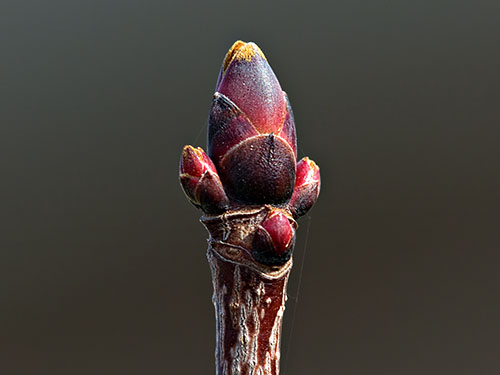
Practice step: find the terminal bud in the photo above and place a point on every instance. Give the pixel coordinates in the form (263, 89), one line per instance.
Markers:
(251, 130)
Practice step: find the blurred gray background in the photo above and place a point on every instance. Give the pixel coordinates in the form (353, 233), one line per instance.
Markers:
(102, 259)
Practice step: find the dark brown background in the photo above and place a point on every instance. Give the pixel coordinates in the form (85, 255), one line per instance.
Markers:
(103, 267)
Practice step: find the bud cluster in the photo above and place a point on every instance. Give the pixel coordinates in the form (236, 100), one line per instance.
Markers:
(252, 154)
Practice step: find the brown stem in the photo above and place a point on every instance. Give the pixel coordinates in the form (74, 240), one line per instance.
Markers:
(249, 297)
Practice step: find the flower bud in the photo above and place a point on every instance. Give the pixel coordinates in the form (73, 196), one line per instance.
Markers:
(200, 181)
(307, 185)
(248, 80)
(251, 130)
(274, 239)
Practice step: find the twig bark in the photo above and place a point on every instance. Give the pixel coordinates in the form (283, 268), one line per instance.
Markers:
(249, 297)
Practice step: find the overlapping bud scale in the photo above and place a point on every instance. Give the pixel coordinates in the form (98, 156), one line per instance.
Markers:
(252, 154)
(251, 132)
(307, 186)
(201, 182)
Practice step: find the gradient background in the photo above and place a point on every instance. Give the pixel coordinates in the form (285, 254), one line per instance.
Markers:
(103, 267)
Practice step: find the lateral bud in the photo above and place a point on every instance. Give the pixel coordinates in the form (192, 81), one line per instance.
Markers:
(307, 186)
(274, 239)
(200, 181)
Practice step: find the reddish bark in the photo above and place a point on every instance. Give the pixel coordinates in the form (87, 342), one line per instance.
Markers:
(249, 297)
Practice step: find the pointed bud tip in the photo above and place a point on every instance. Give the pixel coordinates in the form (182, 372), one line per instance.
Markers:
(242, 51)
(189, 150)
(249, 82)
(195, 162)
(307, 172)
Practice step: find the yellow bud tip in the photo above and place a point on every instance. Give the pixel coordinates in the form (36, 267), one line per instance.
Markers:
(198, 151)
(312, 164)
(242, 51)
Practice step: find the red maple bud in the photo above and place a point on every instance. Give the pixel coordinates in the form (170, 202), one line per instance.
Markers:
(251, 130)
(307, 186)
(274, 239)
(200, 181)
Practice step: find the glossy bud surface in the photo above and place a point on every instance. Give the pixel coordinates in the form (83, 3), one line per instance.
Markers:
(274, 240)
(200, 181)
(251, 134)
(307, 186)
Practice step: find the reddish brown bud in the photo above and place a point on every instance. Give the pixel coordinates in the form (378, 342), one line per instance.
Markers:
(251, 134)
(200, 181)
(248, 80)
(307, 186)
(274, 239)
